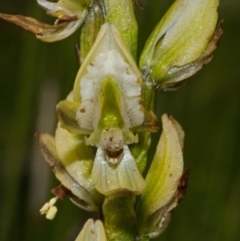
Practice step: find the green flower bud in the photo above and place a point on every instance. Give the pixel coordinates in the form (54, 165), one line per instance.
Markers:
(122, 15)
(178, 45)
(92, 231)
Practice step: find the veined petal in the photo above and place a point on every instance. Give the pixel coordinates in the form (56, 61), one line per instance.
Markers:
(124, 177)
(179, 39)
(92, 231)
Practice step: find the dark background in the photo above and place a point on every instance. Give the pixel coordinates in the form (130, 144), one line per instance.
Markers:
(34, 76)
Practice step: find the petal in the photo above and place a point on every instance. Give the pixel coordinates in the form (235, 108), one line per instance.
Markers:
(124, 177)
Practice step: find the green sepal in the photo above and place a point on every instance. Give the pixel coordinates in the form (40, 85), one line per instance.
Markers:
(66, 111)
(81, 197)
(77, 158)
(163, 180)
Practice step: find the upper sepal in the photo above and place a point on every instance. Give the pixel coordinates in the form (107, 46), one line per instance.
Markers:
(178, 45)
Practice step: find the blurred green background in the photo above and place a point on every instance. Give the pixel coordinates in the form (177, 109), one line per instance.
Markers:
(34, 76)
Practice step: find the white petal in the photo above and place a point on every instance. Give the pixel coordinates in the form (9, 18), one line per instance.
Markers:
(110, 179)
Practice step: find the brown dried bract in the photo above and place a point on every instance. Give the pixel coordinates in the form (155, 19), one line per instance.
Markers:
(182, 186)
(139, 4)
(34, 26)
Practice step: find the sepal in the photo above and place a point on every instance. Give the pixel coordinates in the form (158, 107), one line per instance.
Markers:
(163, 179)
(48, 149)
